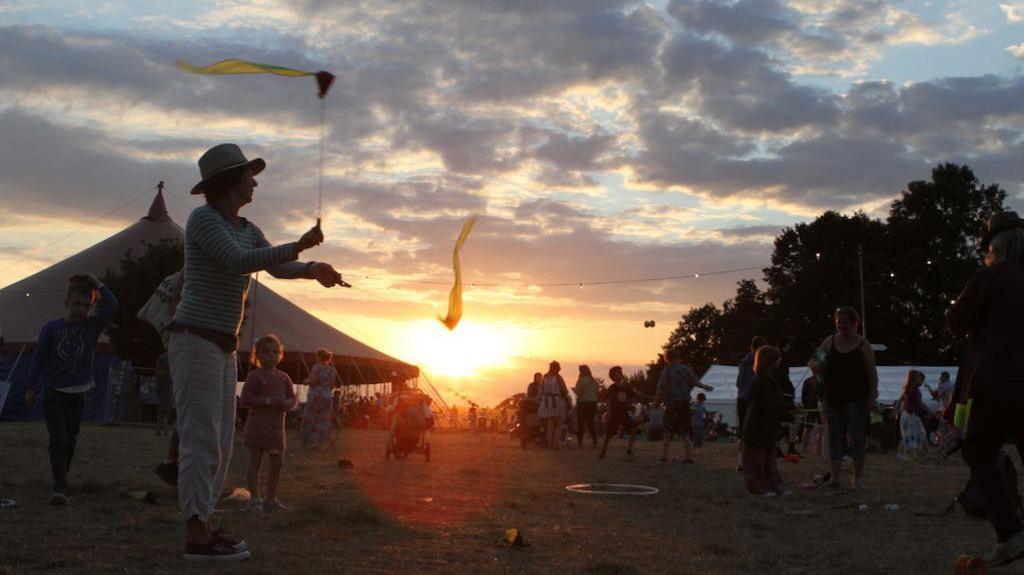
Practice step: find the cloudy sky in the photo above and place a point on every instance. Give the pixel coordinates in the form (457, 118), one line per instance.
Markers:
(593, 139)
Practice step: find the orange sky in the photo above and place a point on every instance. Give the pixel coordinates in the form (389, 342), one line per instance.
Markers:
(593, 141)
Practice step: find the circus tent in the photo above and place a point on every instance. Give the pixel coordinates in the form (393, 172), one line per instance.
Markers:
(29, 303)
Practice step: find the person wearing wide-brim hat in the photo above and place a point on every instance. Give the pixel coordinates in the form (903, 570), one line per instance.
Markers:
(990, 312)
(222, 249)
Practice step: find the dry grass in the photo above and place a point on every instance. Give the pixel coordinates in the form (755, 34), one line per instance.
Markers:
(447, 516)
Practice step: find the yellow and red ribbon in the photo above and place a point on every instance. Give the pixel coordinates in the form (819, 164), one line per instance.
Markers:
(233, 66)
(455, 297)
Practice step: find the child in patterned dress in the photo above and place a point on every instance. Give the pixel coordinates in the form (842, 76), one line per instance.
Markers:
(913, 413)
(268, 393)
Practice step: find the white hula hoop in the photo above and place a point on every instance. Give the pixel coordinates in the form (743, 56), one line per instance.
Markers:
(612, 489)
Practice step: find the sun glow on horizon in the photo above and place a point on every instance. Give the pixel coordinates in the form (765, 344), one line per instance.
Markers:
(463, 352)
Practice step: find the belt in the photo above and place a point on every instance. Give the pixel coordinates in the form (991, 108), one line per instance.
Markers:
(226, 342)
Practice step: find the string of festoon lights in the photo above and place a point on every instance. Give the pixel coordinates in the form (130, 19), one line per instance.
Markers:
(577, 284)
(584, 283)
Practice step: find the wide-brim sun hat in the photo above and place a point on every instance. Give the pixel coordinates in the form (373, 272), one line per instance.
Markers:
(999, 223)
(221, 158)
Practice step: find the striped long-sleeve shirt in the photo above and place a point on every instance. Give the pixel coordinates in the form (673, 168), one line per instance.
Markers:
(219, 257)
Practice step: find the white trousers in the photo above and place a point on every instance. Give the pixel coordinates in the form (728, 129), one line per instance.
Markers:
(204, 395)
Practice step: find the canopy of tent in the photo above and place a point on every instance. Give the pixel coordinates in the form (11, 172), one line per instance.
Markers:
(29, 303)
(891, 379)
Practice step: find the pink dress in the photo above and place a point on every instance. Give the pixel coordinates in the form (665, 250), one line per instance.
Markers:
(264, 427)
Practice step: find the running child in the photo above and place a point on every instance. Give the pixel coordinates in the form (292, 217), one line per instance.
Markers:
(619, 397)
(674, 386)
(268, 393)
(62, 370)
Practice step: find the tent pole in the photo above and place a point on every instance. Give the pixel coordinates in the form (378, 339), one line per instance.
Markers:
(437, 395)
(380, 377)
(362, 380)
(252, 324)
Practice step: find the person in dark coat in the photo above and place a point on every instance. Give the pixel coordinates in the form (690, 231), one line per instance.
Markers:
(765, 413)
(990, 313)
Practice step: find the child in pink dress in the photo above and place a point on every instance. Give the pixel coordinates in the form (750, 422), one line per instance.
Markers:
(268, 393)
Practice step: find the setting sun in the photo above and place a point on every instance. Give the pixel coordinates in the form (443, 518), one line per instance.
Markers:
(470, 347)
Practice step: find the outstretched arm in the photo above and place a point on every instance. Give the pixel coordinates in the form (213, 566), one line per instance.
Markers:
(322, 272)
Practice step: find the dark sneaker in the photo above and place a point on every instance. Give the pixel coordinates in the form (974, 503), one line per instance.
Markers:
(274, 505)
(59, 499)
(168, 472)
(213, 551)
(231, 542)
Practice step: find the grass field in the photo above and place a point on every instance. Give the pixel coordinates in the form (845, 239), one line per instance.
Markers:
(447, 516)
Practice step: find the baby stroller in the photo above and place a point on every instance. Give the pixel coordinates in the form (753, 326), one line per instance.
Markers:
(410, 420)
(528, 429)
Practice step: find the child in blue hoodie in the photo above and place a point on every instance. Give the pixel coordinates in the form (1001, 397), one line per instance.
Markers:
(62, 371)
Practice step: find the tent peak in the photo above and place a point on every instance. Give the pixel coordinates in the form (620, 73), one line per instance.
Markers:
(158, 209)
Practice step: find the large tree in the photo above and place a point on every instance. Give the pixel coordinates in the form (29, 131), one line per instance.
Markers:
(815, 270)
(707, 335)
(933, 229)
(133, 284)
(697, 337)
(914, 263)
(743, 317)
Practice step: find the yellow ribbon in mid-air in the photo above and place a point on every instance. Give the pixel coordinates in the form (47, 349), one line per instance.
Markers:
(233, 66)
(455, 297)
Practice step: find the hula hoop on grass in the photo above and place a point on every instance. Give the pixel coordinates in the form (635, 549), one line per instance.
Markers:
(612, 489)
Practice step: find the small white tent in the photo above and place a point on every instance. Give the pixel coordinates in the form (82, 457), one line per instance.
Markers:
(890, 385)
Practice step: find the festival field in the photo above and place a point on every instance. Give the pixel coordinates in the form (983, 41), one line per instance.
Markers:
(447, 516)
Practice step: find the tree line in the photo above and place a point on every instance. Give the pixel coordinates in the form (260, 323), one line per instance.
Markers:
(915, 263)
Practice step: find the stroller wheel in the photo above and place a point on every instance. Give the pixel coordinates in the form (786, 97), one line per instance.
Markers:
(426, 451)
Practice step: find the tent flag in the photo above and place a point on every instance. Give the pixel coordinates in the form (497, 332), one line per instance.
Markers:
(455, 297)
(234, 66)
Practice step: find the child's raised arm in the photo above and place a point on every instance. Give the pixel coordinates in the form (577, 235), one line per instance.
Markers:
(108, 303)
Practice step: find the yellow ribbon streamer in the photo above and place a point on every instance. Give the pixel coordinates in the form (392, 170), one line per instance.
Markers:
(234, 66)
(455, 297)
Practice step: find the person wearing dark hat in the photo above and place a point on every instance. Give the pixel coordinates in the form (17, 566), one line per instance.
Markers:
(222, 249)
(990, 313)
